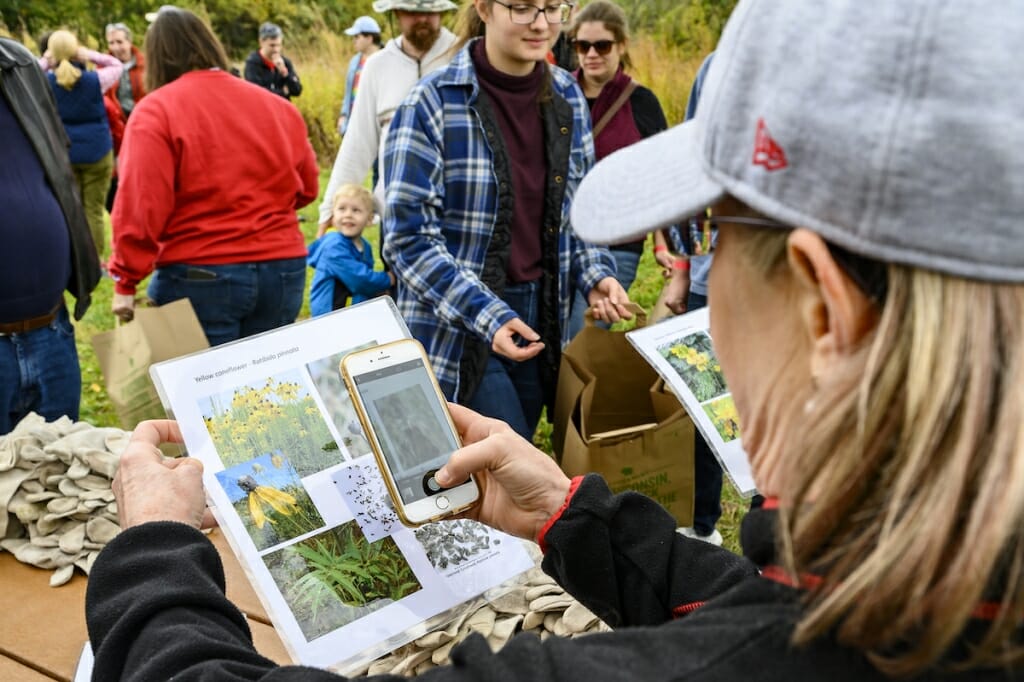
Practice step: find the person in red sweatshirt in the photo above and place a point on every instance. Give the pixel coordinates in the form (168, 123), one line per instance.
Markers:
(212, 170)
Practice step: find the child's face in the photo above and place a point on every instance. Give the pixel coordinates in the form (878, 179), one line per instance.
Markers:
(351, 216)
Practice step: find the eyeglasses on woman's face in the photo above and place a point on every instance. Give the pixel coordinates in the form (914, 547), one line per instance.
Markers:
(521, 13)
(869, 275)
(702, 232)
(602, 47)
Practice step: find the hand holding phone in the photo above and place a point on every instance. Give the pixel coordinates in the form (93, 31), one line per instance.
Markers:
(405, 417)
(522, 487)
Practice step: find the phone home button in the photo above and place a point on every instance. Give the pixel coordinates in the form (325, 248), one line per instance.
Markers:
(442, 502)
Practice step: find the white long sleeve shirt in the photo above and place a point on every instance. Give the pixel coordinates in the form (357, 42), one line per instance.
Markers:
(387, 78)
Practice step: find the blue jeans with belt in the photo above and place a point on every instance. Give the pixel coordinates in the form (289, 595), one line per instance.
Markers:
(39, 373)
(512, 391)
(238, 300)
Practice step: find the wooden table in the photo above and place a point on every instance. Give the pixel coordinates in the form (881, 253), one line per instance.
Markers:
(43, 627)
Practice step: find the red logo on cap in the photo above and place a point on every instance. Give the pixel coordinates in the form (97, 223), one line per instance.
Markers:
(767, 151)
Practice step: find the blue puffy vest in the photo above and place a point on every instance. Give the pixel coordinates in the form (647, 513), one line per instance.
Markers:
(84, 117)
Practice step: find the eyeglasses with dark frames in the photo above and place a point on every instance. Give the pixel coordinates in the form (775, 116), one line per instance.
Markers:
(524, 14)
(603, 47)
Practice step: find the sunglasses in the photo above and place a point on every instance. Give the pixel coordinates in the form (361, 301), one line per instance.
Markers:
(603, 47)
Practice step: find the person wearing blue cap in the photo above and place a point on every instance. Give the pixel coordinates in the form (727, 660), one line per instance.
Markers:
(365, 34)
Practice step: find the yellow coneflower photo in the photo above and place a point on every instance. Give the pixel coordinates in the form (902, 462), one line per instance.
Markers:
(270, 499)
(274, 414)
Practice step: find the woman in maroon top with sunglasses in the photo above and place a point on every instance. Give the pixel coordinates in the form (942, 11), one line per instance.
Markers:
(621, 110)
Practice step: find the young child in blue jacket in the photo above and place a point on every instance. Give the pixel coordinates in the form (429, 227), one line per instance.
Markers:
(342, 258)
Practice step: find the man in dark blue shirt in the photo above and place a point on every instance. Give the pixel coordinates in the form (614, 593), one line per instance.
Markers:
(46, 245)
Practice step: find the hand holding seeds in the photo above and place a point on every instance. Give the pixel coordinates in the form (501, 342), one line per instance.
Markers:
(521, 487)
(150, 487)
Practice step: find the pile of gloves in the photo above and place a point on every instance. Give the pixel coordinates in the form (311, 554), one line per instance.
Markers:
(536, 605)
(55, 486)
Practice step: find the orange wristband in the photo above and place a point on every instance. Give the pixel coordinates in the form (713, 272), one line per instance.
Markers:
(681, 264)
(658, 248)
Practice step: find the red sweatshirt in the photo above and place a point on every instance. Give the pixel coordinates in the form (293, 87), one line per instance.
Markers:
(212, 170)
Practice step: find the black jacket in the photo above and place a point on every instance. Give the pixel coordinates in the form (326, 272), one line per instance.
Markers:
(28, 94)
(257, 71)
(682, 609)
(558, 121)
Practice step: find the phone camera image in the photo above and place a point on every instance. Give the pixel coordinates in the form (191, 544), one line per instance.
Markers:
(410, 431)
(410, 424)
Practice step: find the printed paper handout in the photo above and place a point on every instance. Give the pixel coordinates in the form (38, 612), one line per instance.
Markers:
(680, 349)
(292, 481)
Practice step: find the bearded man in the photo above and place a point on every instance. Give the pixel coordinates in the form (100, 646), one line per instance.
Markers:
(423, 46)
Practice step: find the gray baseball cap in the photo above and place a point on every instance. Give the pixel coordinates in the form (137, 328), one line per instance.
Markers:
(893, 129)
(425, 6)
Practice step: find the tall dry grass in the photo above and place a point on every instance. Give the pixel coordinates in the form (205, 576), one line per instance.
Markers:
(667, 70)
(322, 63)
(322, 66)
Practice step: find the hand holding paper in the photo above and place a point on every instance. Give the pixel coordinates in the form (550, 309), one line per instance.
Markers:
(150, 487)
(521, 486)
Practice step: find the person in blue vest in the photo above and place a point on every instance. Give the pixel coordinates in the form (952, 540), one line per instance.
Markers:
(79, 95)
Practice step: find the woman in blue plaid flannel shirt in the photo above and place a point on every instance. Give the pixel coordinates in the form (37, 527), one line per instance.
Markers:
(481, 164)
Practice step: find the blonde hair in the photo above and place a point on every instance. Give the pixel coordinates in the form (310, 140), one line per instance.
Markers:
(468, 25)
(353, 191)
(904, 483)
(63, 47)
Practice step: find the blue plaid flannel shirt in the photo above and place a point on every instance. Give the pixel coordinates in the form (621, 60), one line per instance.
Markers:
(441, 195)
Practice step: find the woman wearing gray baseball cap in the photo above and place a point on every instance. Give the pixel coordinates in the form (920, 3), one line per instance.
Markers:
(862, 162)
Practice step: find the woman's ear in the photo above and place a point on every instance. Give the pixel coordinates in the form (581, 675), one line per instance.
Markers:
(835, 313)
(483, 9)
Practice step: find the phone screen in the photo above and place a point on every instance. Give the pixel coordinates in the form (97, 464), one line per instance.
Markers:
(410, 423)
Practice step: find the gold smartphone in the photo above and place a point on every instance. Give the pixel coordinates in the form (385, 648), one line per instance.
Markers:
(411, 433)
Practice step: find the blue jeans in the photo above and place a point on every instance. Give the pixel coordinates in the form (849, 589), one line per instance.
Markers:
(237, 300)
(626, 263)
(707, 472)
(511, 391)
(39, 372)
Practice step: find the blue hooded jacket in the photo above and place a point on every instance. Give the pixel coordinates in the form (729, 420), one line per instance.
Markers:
(337, 261)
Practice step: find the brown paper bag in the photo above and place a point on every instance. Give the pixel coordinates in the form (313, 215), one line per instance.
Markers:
(126, 352)
(614, 416)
